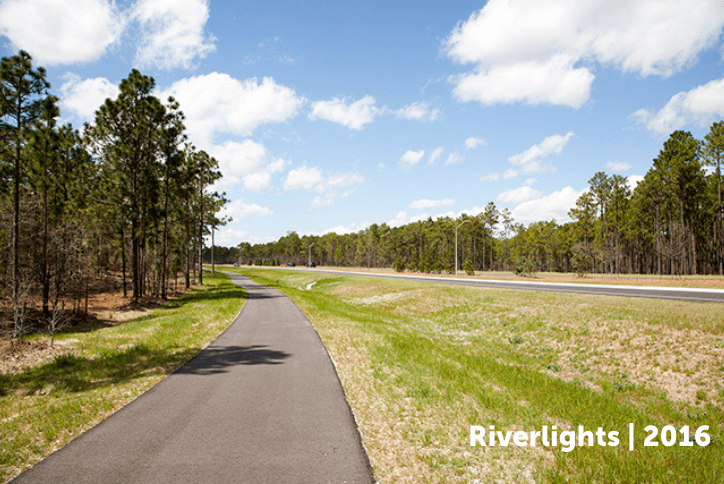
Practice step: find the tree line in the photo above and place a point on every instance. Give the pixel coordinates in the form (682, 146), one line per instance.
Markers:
(670, 223)
(128, 195)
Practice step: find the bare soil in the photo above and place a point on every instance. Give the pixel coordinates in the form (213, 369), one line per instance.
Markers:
(106, 307)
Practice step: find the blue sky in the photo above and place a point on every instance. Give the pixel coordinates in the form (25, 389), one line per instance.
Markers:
(336, 115)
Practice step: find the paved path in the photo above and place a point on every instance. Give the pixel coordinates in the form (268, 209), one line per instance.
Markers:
(261, 404)
(655, 292)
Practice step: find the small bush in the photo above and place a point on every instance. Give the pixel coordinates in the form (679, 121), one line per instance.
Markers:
(468, 267)
(526, 266)
(516, 339)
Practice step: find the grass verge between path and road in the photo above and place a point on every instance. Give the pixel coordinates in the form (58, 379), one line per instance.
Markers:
(421, 363)
(45, 406)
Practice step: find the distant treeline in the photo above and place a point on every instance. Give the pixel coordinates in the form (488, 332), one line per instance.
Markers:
(128, 194)
(671, 223)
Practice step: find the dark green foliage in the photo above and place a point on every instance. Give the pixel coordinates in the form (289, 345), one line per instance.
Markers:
(75, 207)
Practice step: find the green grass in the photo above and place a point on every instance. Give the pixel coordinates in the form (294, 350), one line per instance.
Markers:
(421, 363)
(44, 407)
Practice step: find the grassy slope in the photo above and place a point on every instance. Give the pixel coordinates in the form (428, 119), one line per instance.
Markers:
(44, 407)
(422, 363)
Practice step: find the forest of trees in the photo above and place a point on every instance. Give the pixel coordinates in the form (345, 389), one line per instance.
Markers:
(127, 198)
(671, 223)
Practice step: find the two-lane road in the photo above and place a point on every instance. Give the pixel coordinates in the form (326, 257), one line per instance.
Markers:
(672, 293)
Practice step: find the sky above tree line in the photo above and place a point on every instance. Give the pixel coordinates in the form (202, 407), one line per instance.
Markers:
(331, 116)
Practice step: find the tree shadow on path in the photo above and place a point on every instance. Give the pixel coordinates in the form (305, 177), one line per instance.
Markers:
(214, 360)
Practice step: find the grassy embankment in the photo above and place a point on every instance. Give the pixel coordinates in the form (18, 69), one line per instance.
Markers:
(44, 407)
(421, 363)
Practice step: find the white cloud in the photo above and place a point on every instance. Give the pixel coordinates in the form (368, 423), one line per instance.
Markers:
(518, 195)
(227, 237)
(61, 31)
(261, 181)
(217, 103)
(327, 188)
(238, 210)
(509, 174)
(530, 181)
(245, 163)
(454, 157)
(305, 179)
(553, 206)
(172, 33)
(411, 158)
(353, 116)
(472, 142)
(230, 237)
(435, 155)
(490, 177)
(698, 107)
(554, 82)
(633, 181)
(541, 51)
(424, 203)
(399, 220)
(618, 166)
(346, 229)
(418, 111)
(531, 159)
(83, 98)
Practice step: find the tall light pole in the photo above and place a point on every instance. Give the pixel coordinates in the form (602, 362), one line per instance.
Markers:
(310, 253)
(456, 241)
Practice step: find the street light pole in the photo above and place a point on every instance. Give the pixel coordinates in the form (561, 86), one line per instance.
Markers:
(310, 253)
(456, 241)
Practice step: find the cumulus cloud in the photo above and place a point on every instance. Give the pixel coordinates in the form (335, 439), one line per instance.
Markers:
(490, 177)
(454, 157)
(698, 107)
(509, 174)
(172, 33)
(411, 158)
(238, 210)
(218, 103)
(230, 237)
(424, 203)
(472, 142)
(531, 160)
(353, 116)
(328, 188)
(418, 111)
(346, 229)
(633, 181)
(540, 51)
(81, 98)
(435, 155)
(518, 195)
(618, 166)
(399, 220)
(61, 31)
(550, 207)
(245, 163)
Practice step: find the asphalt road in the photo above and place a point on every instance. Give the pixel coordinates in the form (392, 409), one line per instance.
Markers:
(261, 404)
(673, 293)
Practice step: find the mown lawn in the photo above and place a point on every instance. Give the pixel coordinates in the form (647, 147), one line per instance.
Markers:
(421, 363)
(44, 407)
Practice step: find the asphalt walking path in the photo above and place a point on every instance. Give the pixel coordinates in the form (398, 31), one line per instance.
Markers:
(261, 404)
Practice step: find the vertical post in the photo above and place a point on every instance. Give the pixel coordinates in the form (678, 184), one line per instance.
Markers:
(310, 254)
(213, 267)
(456, 242)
